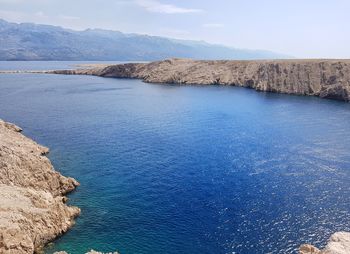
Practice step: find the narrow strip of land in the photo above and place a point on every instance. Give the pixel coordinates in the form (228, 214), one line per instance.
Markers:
(323, 78)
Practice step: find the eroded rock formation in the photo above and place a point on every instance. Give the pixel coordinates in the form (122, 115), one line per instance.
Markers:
(32, 206)
(323, 78)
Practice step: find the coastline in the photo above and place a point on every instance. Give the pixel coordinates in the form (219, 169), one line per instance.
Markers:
(322, 78)
(44, 151)
(33, 208)
(32, 202)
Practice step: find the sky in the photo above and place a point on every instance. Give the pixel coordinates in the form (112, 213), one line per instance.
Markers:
(300, 28)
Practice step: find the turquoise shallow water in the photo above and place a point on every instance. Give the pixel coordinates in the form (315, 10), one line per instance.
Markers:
(170, 169)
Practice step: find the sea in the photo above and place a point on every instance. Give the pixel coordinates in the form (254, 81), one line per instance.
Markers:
(186, 169)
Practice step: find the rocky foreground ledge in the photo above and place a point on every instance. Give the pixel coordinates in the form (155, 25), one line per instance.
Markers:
(323, 78)
(32, 202)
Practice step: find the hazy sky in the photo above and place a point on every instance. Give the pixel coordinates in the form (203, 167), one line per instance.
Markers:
(302, 28)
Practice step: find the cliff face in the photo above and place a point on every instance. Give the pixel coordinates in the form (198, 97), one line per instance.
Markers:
(32, 206)
(323, 78)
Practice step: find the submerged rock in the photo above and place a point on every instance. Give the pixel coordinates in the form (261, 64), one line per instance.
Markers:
(338, 243)
(32, 206)
(96, 252)
(323, 78)
(90, 252)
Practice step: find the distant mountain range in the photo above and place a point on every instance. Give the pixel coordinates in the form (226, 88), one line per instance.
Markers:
(28, 41)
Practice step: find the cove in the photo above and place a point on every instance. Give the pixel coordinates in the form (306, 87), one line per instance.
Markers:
(183, 169)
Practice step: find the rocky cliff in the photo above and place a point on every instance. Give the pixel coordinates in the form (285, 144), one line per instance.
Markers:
(323, 78)
(32, 206)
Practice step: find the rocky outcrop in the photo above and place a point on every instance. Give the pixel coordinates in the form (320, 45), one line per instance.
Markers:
(339, 243)
(32, 206)
(323, 78)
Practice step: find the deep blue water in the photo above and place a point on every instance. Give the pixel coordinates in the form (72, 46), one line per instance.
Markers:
(171, 169)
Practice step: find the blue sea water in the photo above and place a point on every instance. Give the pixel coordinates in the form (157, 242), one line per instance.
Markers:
(187, 169)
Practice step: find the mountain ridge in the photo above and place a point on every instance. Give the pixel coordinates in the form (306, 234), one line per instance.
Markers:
(29, 41)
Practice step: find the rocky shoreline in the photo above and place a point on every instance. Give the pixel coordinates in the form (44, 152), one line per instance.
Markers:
(323, 78)
(32, 202)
